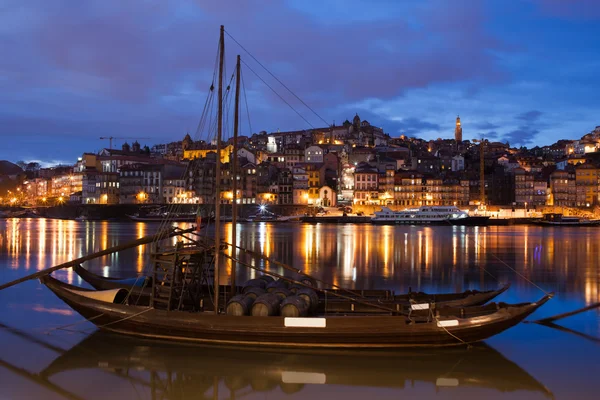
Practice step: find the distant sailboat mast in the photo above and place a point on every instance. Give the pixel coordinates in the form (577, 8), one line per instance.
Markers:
(218, 173)
(235, 175)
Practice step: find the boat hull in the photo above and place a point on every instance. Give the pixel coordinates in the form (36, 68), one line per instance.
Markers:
(577, 223)
(468, 221)
(172, 218)
(377, 331)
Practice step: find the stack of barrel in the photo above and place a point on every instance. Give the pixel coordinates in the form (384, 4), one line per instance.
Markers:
(265, 296)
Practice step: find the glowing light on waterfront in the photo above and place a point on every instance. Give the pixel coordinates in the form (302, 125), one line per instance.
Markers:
(348, 245)
(27, 245)
(387, 240)
(454, 248)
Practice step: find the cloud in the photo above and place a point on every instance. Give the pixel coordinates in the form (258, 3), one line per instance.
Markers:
(485, 125)
(129, 52)
(524, 135)
(490, 135)
(412, 126)
(530, 116)
(81, 70)
(571, 9)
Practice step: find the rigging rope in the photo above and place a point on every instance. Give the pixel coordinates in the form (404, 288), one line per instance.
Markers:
(277, 79)
(278, 95)
(506, 265)
(246, 101)
(509, 267)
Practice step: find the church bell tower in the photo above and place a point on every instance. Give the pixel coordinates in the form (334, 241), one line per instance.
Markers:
(458, 130)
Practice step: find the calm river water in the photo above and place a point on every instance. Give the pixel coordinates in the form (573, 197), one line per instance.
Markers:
(38, 360)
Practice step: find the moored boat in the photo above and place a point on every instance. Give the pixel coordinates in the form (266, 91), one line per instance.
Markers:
(163, 217)
(414, 327)
(428, 215)
(557, 219)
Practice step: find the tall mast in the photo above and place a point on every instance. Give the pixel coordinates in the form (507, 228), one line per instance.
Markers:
(235, 172)
(218, 171)
(481, 169)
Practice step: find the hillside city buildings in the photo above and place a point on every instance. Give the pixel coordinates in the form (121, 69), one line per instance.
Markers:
(354, 163)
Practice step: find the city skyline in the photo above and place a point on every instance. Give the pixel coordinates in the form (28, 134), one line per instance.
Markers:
(522, 72)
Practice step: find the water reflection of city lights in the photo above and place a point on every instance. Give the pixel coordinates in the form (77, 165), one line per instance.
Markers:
(349, 254)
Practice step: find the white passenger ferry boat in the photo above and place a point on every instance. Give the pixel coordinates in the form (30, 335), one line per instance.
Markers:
(421, 215)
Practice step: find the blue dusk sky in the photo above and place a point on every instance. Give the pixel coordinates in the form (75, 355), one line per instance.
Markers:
(523, 71)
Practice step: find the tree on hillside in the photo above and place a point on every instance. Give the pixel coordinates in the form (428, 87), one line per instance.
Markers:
(33, 167)
(21, 164)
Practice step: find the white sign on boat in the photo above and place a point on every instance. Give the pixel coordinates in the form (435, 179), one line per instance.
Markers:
(303, 377)
(450, 322)
(291, 322)
(446, 382)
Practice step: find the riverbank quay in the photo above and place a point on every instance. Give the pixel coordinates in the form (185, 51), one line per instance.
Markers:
(296, 213)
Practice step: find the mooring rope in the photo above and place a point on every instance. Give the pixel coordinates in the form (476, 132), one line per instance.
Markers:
(505, 264)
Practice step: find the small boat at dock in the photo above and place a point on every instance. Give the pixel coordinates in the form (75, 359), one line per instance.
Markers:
(557, 219)
(163, 217)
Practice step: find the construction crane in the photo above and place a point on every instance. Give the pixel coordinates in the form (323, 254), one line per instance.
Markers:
(110, 138)
(482, 143)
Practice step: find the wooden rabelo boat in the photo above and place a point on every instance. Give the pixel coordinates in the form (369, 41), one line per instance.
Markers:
(187, 301)
(405, 327)
(193, 369)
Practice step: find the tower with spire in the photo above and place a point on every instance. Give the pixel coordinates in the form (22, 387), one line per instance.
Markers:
(458, 130)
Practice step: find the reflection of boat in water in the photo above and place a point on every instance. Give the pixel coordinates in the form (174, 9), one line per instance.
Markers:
(194, 369)
(557, 219)
(428, 215)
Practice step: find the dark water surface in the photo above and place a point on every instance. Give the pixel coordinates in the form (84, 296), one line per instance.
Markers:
(37, 360)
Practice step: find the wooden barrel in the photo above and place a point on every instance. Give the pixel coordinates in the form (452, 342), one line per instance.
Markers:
(294, 306)
(294, 288)
(253, 291)
(307, 280)
(282, 292)
(266, 305)
(261, 283)
(310, 296)
(239, 305)
(267, 278)
(276, 284)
